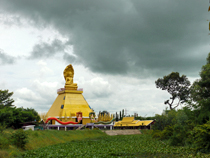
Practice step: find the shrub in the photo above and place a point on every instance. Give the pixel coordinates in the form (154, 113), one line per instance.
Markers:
(19, 138)
(167, 118)
(201, 137)
(156, 133)
(4, 143)
(3, 154)
(2, 128)
(179, 135)
(167, 132)
(95, 128)
(181, 117)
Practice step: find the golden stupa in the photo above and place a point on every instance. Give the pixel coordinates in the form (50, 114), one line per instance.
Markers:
(69, 101)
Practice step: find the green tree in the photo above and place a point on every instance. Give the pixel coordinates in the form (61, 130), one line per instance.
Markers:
(123, 113)
(5, 100)
(11, 116)
(177, 86)
(200, 94)
(6, 116)
(117, 119)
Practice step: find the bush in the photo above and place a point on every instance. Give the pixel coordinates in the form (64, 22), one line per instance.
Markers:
(181, 117)
(180, 129)
(4, 143)
(167, 132)
(156, 134)
(19, 138)
(2, 128)
(95, 128)
(201, 137)
(168, 118)
(179, 135)
(3, 154)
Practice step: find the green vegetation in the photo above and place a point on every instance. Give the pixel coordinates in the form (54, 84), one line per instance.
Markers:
(11, 116)
(179, 129)
(5, 100)
(189, 126)
(19, 138)
(30, 140)
(114, 146)
(177, 86)
(91, 143)
(145, 118)
(201, 137)
(200, 92)
(176, 133)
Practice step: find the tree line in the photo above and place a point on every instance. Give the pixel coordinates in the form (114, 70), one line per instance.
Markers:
(190, 125)
(10, 115)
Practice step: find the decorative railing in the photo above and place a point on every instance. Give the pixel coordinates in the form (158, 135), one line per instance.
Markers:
(63, 89)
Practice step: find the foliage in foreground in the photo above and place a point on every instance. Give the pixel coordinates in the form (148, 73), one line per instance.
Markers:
(17, 138)
(112, 146)
(201, 135)
(12, 142)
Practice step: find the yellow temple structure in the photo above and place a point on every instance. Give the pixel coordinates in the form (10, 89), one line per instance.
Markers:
(70, 107)
(131, 122)
(70, 101)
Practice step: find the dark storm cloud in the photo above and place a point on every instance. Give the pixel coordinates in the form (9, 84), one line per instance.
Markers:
(69, 58)
(119, 36)
(48, 50)
(6, 59)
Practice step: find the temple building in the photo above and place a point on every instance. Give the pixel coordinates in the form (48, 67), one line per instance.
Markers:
(70, 105)
(131, 122)
(71, 110)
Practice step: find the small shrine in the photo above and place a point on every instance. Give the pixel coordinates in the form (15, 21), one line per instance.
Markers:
(70, 104)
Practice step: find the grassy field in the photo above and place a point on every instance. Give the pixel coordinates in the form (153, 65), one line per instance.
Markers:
(95, 143)
(114, 146)
(40, 139)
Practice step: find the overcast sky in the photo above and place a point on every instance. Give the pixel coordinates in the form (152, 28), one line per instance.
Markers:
(117, 48)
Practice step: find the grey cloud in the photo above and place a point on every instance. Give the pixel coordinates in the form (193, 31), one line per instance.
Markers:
(48, 50)
(6, 59)
(69, 58)
(121, 37)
